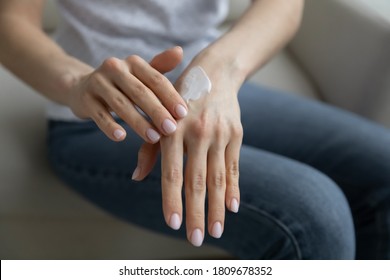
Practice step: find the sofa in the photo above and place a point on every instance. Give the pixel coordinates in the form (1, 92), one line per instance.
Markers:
(340, 56)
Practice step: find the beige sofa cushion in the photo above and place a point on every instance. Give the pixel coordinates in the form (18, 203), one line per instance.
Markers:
(345, 46)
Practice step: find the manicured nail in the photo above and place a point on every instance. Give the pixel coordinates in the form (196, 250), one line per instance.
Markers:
(197, 238)
(118, 134)
(168, 126)
(216, 231)
(136, 173)
(174, 221)
(153, 135)
(176, 47)
(234, 205)
(181, 111)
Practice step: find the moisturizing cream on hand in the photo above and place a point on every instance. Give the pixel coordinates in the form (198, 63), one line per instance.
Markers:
(195, 84)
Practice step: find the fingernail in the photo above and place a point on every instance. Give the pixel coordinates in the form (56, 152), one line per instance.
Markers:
(197, 238)
(234, 205)
(176, 47)
(136, 173)
(118, 134)
(168, 126)
(216, 231)
(181, 111)
(153, 135)
(174, 221)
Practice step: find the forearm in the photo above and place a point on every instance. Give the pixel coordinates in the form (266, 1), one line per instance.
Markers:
(262, 31)
(37, 60)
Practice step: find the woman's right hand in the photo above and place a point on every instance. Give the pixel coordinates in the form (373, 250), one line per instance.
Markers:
(120, 85)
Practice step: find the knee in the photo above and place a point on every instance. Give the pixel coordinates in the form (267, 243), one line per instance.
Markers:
(325, 227)
(297, 212)
(314, 214)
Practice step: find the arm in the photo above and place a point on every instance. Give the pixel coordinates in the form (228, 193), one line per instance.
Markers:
(211, 135)
(31, 55)
(263, 29)
(116, 85)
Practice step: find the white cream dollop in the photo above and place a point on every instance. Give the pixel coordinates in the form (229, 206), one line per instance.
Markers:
(195, 84)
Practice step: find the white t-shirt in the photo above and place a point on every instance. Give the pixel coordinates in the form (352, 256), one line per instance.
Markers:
(93, 30)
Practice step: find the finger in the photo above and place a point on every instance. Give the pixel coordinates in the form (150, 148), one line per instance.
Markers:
(195, 193)
(216, 188)
(232, 155)
(147, 157)
(136, 92)
(159, 85)
(167, 60)
(145, 99)
(106, 123)
(172, 179)
(125, 109)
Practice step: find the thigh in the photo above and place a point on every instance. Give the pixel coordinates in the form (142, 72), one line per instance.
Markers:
(288, 209)
(353, 151)
(100, 170)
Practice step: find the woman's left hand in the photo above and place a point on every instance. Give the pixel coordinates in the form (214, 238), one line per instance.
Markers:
(211, 136)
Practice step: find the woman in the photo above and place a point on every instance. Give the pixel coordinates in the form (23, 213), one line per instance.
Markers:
(314, 181)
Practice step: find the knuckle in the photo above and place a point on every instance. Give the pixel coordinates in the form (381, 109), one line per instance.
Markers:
(139, 91)
(237, 130)
(101, 116)
(118, 103)
(134, 60)
(94, 77)
(97, 82)
(173, 176)
(201, 129)
(197, 183)
(111, 64)
(158, 79)
(218, 180)
(102, 119)
(233, 170)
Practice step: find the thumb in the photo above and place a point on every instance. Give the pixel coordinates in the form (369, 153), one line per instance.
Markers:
(167, 60)
(147, 157)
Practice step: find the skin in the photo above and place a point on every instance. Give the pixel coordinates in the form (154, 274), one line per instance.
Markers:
(210, 134)
(91, 93)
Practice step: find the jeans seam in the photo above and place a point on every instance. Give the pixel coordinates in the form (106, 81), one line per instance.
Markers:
(280, 224)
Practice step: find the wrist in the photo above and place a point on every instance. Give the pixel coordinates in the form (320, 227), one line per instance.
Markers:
(242, 55)
(69, 80)
(220, 64)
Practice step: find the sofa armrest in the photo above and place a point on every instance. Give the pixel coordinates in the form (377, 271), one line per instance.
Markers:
(345, 46)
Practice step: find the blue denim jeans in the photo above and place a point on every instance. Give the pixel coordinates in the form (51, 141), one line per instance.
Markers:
(314, 180)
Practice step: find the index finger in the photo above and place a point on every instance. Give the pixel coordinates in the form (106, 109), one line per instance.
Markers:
(160, 86)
